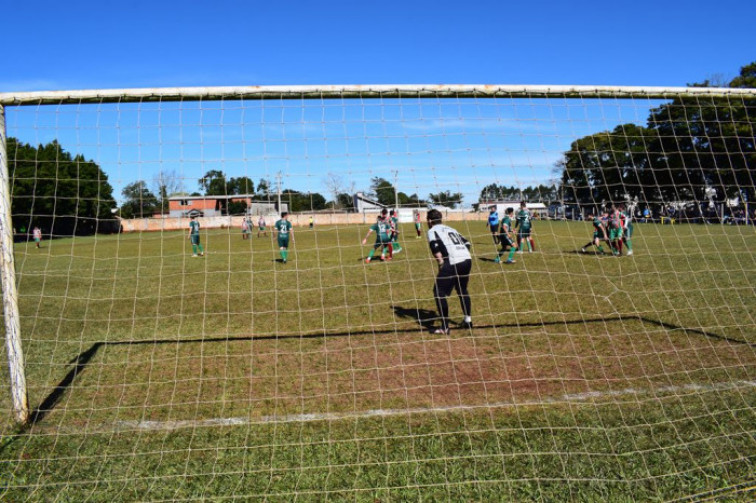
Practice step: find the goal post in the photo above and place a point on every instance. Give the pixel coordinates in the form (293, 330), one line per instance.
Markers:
(196, 305)
(13, 346)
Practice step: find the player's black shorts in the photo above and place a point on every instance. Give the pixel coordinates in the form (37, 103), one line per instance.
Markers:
(505, 240)
(453, 277)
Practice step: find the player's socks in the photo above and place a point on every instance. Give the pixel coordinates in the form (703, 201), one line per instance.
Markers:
(194, 249)
(391, 251)
(371, 253)
(511, 254)
(532, 243)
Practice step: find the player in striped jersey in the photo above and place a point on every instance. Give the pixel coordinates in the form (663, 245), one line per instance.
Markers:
(452, 252)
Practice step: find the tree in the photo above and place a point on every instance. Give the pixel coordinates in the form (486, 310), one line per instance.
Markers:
(139, 202)
(240, 185)
(263, 187)
(446, 198)
(691, 147)
(166, 184)
(300, 201)
(214, 183)
(58, 192)
(384, 191)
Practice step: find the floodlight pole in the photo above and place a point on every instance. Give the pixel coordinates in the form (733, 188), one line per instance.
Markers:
(10, 292)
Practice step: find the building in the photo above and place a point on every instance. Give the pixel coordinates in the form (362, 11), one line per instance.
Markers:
(214, 206)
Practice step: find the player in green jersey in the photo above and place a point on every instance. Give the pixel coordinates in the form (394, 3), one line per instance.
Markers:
(194, 237)
(599, 233)
(505, 238)
(382, 229)
(523, 225)
(284, 230)
(394, 221)
(614, 226)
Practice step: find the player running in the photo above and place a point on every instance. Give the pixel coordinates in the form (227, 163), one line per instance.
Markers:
(452, 252)
(382, 229)
(505, 238)
(523, 226)
(284, 229)
(194, 237)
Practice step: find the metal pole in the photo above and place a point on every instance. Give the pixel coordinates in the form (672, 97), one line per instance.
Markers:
(10, 292)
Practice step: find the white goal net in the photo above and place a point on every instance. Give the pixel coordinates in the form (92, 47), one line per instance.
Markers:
(203, 299)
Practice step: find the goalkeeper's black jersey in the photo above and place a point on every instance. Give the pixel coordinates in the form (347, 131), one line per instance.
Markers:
(452, 246)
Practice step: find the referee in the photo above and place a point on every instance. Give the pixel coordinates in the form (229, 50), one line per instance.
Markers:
(452, 251)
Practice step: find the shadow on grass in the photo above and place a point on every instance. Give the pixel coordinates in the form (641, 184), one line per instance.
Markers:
(423, 317)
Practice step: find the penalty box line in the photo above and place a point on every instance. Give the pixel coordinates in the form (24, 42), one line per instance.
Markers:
(337, 416)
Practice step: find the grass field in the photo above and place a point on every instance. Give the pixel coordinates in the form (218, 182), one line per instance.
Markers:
(157, 376)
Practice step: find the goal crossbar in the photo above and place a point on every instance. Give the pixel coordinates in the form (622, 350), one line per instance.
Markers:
(360, 91)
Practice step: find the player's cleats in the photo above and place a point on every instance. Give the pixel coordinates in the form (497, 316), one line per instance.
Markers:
(194, 255)
(367, 260)
(509, 262)
(441, 331)
(467, 325)
(630, 252)
(582, 250)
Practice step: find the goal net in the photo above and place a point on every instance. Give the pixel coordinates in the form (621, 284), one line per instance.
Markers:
(170, 335)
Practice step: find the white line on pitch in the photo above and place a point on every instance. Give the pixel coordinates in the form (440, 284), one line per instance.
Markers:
(331, 416)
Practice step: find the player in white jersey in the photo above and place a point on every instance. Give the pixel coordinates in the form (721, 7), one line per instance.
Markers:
(452, 251)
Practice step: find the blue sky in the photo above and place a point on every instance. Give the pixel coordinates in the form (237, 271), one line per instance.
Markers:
(85, 45)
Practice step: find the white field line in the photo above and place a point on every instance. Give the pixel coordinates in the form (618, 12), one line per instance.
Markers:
(334, 416)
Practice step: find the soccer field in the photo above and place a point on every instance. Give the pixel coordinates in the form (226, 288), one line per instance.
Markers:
(157, 376)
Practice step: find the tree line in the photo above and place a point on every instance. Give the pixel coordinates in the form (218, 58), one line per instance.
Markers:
(694, 148)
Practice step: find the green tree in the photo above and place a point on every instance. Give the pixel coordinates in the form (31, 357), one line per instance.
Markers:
(301, 201)
(689, 146)
(58, 192)
(139, 202)
(214, 183)
(384, 191)
(446, 198)
(241, 185)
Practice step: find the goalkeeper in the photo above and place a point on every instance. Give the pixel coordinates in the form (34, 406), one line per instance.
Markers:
(452, 252)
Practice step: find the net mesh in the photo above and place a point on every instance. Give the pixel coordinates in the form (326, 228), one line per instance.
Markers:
(614, 356)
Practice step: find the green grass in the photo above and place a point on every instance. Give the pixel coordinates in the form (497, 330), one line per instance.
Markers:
(586, 377)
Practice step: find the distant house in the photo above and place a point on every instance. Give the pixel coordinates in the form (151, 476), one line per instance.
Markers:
(363, 204)
(214, 206)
